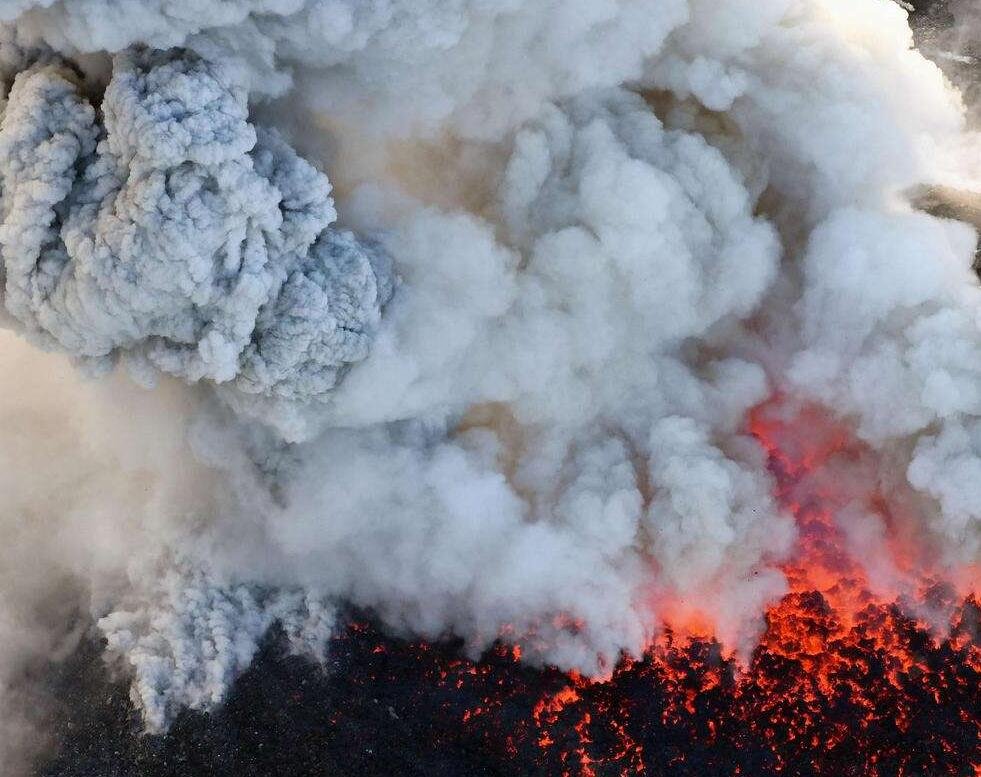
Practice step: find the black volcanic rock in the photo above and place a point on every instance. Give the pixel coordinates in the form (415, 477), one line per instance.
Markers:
(384, 707)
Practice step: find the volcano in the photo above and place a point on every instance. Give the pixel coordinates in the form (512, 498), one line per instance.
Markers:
(575, 388)
(848, 678)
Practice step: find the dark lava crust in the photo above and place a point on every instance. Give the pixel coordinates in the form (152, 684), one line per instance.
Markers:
(388, 707)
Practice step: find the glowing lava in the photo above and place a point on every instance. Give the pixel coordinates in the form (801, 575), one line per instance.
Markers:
(870, 666)
(870, 652)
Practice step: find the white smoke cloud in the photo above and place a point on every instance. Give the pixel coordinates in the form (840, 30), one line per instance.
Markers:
(673, 209)
(199, 634)
(96, 477)
(481, 66)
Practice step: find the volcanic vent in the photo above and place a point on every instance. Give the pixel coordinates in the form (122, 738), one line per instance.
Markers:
(536, 387)
(850, 677)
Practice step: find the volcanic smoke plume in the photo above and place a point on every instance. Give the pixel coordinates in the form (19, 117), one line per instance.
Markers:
(633, 345)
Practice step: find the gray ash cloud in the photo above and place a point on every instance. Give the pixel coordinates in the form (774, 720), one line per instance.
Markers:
(159, 226)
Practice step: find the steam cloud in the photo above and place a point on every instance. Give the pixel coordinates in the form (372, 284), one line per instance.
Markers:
(174, 236)
(616, 227)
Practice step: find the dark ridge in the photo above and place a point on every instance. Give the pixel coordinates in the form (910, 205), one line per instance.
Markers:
(955, 49)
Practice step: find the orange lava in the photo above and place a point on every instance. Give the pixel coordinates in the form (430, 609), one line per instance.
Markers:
(862, 626)
(870, 665)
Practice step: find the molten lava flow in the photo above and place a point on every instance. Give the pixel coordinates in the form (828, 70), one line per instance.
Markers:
(870, 665)
(848, 669)
(840, 590)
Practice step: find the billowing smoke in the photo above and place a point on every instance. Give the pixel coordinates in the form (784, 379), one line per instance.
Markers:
(173, 234)
(588, 238)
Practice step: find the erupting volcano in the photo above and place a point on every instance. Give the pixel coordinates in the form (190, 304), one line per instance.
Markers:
(861, 670)
(490, 387)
